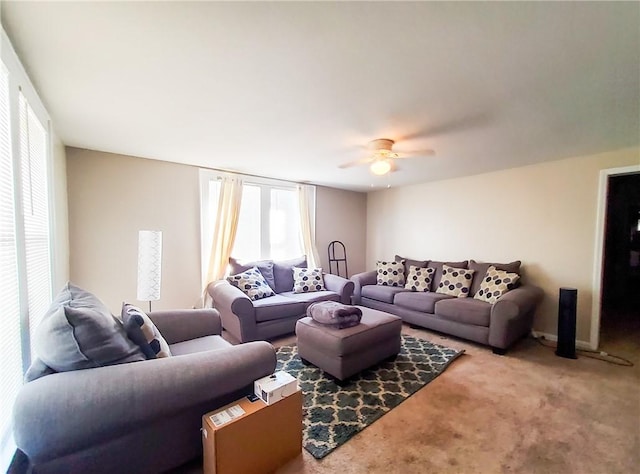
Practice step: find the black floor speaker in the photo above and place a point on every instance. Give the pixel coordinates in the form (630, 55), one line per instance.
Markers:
(567, 323)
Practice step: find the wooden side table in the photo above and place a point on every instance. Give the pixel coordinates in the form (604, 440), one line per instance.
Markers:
(259, 440)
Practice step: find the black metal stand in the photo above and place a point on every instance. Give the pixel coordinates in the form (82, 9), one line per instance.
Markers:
(333, 259)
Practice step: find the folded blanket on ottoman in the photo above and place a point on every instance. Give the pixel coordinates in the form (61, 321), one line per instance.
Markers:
(334, 314)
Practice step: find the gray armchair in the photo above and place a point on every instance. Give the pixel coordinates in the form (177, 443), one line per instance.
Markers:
(143, 416)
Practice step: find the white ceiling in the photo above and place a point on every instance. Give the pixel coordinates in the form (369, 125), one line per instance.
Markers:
(290, 90)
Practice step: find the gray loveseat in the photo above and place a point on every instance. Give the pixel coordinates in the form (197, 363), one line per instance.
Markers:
(138, 417)
(497, 325)
(248, 320)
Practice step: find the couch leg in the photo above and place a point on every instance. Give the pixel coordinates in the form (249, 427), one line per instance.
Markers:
(499, 351)
(305, 362)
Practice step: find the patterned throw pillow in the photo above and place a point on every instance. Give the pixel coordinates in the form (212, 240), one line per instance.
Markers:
(252, 284)
(306, 280)
(266, 267)
(455, 281)
(390, 273)
(141, 330)
(495, 284)
(419, 279)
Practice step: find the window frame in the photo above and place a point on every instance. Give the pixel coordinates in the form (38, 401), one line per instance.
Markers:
(18, 83)
(266, 185)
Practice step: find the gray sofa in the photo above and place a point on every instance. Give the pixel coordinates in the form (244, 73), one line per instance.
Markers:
(248, 320)
(498, 325)
(138, 417)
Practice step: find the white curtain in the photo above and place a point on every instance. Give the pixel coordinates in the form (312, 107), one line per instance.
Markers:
(224, 234)
(307, 226)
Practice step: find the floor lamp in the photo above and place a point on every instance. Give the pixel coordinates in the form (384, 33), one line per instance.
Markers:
(149, 265)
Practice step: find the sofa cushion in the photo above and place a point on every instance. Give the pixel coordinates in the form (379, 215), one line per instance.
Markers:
(465, 311)
(495, 284)
(438, 266)
(419, 279)
(481, 270)
(141, 330)
(390, 273)
(264, 266)
(79, 332)
(408, 262)
(455, 281)
(312, 297)
(381, 292)
(252, 283)
(199, 344)
(419, 301)
(283, 273)
(278, 307)
(307, 280)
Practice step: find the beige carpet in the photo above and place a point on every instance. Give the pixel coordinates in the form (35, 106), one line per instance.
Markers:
(526, 412)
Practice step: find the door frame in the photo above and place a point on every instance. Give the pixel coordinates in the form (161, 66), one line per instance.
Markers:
(599, 254)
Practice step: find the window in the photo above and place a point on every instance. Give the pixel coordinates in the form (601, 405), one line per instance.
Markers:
(25, 240)
(284, 224)
(269, 221)
(10, 347)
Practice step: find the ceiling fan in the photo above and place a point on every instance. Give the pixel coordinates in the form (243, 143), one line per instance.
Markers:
(381, 157)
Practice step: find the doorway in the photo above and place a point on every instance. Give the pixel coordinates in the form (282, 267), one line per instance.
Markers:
(620, 297)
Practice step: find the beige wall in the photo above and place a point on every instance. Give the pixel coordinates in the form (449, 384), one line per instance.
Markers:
(112, 197)
(341, 215)
(544, 215)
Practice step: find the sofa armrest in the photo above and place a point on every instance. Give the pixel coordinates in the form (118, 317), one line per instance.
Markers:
(225, 296)
(184, 324)
(236, 310)
(340, 285)
(359, 280)
(68, 411)
(512, 315)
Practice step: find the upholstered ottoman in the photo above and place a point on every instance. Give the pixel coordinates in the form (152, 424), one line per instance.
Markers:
(345, 352)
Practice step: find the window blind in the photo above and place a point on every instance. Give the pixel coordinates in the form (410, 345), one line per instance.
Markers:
(35, 211)
(10, 340)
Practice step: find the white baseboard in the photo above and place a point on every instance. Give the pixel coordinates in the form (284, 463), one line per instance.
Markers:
(553, 338)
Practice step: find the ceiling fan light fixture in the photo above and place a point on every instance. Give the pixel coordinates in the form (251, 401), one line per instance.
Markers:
(380, 167)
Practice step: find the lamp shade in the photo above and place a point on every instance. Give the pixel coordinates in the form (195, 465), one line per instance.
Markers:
(380, 167)
(149, 264)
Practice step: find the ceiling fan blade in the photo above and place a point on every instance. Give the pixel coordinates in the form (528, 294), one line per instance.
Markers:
(415, 153)
(453, 125)
(361, 161)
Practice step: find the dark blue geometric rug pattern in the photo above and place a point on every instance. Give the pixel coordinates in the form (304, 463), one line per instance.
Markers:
(333, 414)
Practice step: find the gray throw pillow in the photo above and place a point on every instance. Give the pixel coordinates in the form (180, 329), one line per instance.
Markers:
(264, 266)
(481, 270)
(36, 370)
(283, 273)
(408, 262)
(252, 284)
(79, 332)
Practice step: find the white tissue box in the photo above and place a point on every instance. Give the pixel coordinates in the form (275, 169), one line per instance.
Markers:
(273, 388)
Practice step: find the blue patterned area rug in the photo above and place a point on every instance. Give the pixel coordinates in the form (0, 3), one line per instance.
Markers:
(333, 414)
